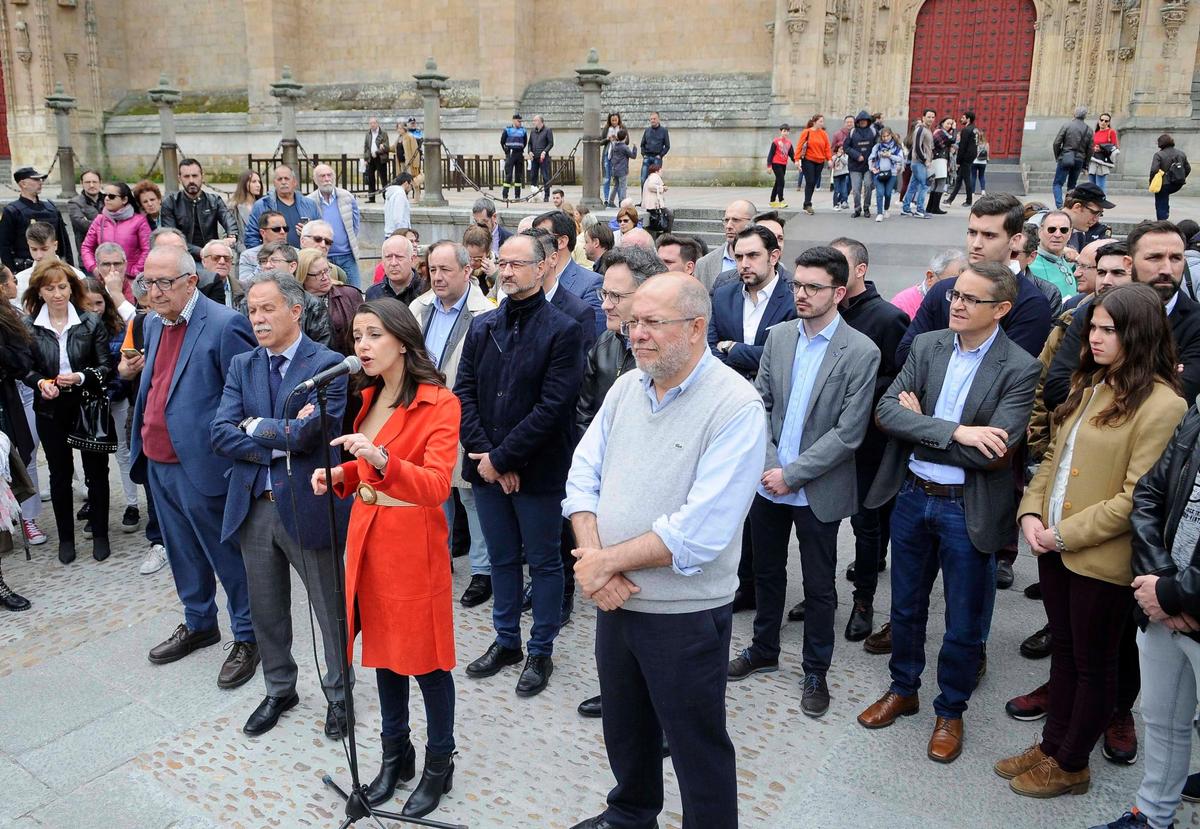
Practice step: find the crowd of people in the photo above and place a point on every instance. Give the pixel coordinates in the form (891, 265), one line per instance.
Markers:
(640, 421)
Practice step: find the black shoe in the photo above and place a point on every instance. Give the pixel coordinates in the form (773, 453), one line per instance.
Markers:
(862, 619)
(1191, 789)
(66, 551)
(437, 779)
(88, 532)
(744, 599)
(84, 511)
(478, 591)
(968, 203)
(814, 700)
(130, 520)
(493, 660)
(597, 822)
(534, 676)
(743, 665)
(527, 597)
(568, 607)
(336, 725)
(1004, 575)
(950, 200)
(1037, 645)
(1034, 591)
(10, 600)
(399, 763)
(239, 666)
(101, 548)
(266, 715)
(182, 642)
(981, 671)
(590, 708)
(796, 614)
(666, 747)
(856, 214)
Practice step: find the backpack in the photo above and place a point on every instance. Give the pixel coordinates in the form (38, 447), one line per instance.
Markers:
(1174, 176)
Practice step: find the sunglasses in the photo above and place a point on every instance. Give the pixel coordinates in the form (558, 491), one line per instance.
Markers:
(113, 196)
(322, 239)
(1058, 229)
(280, 229)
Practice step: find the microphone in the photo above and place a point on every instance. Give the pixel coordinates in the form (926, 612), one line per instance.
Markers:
(350, 365)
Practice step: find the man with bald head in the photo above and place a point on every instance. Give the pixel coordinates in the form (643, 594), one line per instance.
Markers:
(637, 238)
(400, 279)
(282, 197)
(738, 215)
(657, 493)
(339, 208)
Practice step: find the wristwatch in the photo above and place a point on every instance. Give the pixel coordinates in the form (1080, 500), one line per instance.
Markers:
(383, 465)
(1059, 546)
(725, 346)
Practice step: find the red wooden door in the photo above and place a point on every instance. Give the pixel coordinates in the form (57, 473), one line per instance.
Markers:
(975, 54)
(4, 150)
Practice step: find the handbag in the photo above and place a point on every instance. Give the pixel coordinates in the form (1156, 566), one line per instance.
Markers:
(1156, 183)
(659, 221)
(939, 168)
(93, 429)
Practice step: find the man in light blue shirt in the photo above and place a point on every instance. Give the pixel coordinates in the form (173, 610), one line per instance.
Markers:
(817, 381)
(339, 208)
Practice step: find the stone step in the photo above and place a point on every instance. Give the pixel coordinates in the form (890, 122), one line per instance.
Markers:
(1040, 181)
(6, 169)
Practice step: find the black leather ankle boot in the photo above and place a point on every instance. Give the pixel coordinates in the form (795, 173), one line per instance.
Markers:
(436, 780)
(399, 763)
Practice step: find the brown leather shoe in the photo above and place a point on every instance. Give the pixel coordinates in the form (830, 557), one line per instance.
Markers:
(239, 666)
(887, 708)
(1047, 779)
(946, 742)
(880, 641)
(182, 642)
(1010, 767)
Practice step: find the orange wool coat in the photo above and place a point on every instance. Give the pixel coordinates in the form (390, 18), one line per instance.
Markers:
(398, 589)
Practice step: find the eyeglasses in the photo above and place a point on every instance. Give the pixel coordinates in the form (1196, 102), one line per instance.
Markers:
(728, 220)
(810, 288)
(279, 229)
(624, 220)
(219, 257)
(650, 325)
(510, 264)
(1058, 229)
(163, 285)
(953, 296)
(320, 274)
(277, 263)
(323, 240)
(109, 266)
(1095, 211)
(1103, 120)
(113, 196)
(615, 296)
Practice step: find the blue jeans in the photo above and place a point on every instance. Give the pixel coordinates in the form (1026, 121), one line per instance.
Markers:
(979, 176)
(841, 189)
(607, 160)
(1068, 175)
(533, 524)
(1099, 181)
(861, 185)
(350, 265)
(437, 690)
(918, 188)
(883, 192)
(478, 553)
(1162, 205)
(647, 160)
(619, 188)
(929, 533)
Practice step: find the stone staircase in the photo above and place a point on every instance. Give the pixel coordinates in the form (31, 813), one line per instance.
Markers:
(1118, 184)
(6, 169)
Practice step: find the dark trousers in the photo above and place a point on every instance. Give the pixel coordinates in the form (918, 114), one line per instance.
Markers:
(191, 525)
(460, 529)
(514, 171)
(872, 532)
(1129, 670)
(153, 531)
(375, 175)
(52, 428)
(746, 562)
(964, 179)
(1162, 205)
(437, 690)
(540, 169)
(567, 543)
(812, 178)
(644, 661)
(780, 170)
(1087, 618)
(771, 525)
(532, 524)
(930, 533)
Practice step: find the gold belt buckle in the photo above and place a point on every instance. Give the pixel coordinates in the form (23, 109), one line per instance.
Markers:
(367, 493)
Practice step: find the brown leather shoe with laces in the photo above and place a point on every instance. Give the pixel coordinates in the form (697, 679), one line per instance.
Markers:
(1048, 779)
(1010, 767)
(239, 666)
(946, 742)
(887, 709)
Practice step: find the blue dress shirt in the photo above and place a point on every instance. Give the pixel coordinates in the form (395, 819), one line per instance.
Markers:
(441, 323)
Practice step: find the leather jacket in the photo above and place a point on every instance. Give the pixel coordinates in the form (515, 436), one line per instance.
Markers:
(87, 350)
(609, 358)
(198, 220)
(1158, 502)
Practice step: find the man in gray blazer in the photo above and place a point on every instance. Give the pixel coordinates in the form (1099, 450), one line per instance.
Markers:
(817, 381)
(956, 505)
(445, 312)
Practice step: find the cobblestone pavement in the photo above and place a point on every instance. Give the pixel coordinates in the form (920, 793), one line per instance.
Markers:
(93, 735)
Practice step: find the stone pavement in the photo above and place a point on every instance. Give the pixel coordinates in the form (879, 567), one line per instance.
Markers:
(93, 735)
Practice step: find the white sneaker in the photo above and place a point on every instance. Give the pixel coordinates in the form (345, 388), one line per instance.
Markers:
(33, 533)
(919, 215)
(44, 495)
(155, 560)
(879, 217)
(837, 208)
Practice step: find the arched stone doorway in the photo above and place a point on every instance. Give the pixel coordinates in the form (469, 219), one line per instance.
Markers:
(975, 54)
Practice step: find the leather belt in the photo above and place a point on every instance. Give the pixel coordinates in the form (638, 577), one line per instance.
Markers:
(936, 490)
(370, 495)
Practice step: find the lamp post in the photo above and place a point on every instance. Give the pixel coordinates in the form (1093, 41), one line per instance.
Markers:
(61, 104)
(430, 83)
(166, 97)
(288, 91)
(591, 77)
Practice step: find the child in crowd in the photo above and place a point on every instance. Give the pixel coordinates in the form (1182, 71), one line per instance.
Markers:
(841, 178)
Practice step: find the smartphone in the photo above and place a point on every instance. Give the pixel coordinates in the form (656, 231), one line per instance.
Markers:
(130, 353)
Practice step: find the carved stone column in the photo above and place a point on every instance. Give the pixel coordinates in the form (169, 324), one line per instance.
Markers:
(288, 91)
(591, 77)
(430, 84)
(61, 104)
(166, 97)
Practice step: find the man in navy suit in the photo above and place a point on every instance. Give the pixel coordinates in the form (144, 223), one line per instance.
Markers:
(190, 342)
(582, 282)
(272, 512)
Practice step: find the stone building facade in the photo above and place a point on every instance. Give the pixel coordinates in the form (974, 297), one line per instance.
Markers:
(723, 76)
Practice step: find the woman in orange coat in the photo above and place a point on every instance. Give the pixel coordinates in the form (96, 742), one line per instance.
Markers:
(812, 154)
(397, 571)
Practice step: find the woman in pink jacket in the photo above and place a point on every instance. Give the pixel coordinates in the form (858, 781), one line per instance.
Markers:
(122, 222)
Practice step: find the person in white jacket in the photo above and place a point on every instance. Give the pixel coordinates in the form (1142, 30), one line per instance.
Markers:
(397, 205)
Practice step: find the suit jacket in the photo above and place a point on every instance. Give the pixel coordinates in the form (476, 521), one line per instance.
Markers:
(1001, 395)
(215, 335)
(835, 419)
(585, 284)
(577, 309)
(380, 150)
(248, 394)
(710, 266)
(726, 324)
(731, 275)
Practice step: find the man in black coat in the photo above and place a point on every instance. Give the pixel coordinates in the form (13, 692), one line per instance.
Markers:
(195, 213)
(22, 211)
(968, 148)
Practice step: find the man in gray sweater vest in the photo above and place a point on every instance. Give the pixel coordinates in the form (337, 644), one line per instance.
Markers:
(657, 493)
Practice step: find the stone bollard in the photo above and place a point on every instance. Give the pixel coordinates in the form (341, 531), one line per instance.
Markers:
(288, 91)
(430, 84)
(166, 97)
(592, 77)
(61, 104)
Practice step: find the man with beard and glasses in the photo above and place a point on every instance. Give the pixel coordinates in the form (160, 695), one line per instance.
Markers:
(196, 213)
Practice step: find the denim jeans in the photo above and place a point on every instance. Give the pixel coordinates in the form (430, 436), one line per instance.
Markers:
(930, 533)
(883, 192)
(607, 174)
(532, 523)
(478, 552)
(647, 160)
(121, 412)
(349, 264)
(1099, 181)
(1068, 175)
(1170, 667)
(437, 691)
(619, 188)
(918, 189)
(979, 176)
(861, 185)
(1162, 205)
(841, 189)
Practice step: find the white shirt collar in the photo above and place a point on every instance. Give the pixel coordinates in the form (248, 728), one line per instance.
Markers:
(764, 293)
(1170, 306)
(43, 318)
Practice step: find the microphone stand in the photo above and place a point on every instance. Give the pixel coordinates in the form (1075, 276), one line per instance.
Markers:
(357, 806)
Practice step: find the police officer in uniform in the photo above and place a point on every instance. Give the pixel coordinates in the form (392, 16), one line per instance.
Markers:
(514, 139)
(22, 211)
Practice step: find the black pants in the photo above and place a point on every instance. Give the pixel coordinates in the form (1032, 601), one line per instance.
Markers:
(568, 560)
(780, 170)
(460, 529)
(872, 532)
(514, 172)
(53, 425)
(666, 673)
(746, 562)
(812, 178)
(771, 525)
(375, 175)
(542, 169)
(964, 177)
(437, 690)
